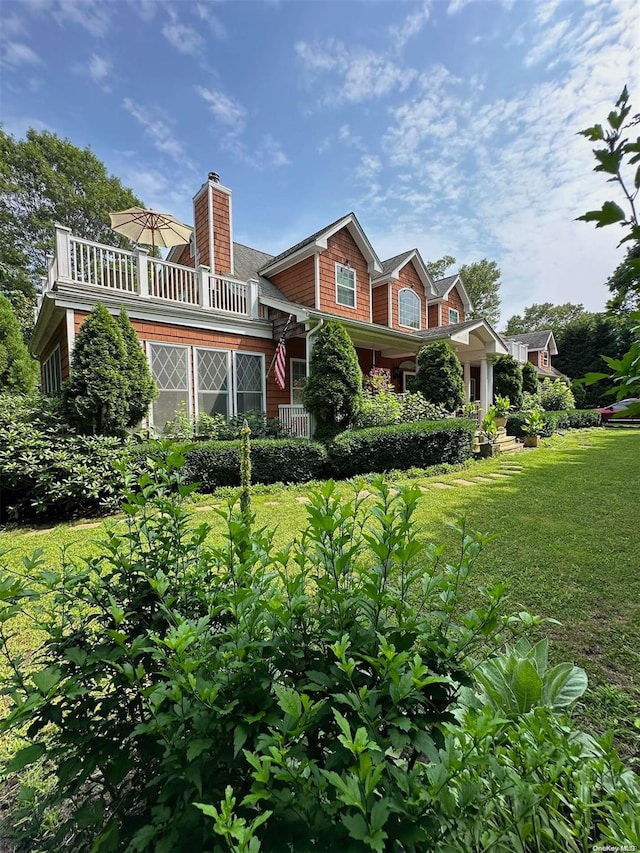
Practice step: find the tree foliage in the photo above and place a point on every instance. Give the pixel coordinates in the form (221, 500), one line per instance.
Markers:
(43, 180)
(18, 370)
(482, 282)
(542, 316)
(507, 379)
(439, 376)
(437, 269)
(110, 387)
(624, 283)
(333, 391)
(141, 386)
(529, 378)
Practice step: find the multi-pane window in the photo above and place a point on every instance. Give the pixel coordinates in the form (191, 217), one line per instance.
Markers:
(249, 376)
(545, 358)
(454, 316)
(52, 373)
(170, 369)
(298, 377)
(212, 370)
(345, 286)
(409, 309)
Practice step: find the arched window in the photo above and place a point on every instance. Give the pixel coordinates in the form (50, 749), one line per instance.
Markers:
(409, 309)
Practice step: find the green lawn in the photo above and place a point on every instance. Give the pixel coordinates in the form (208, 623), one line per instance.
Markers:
(568, 546)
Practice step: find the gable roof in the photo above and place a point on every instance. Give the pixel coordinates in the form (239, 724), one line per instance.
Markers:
(392, 266)
(397, 262)
(536, 340)
(318, 242)
(460, 331)
(444, 286)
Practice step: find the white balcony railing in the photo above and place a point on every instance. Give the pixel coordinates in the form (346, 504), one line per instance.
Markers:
(295, 420)
(518, 350)
(82, 261)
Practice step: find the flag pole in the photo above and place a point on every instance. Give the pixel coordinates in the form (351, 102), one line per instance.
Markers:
(284, 332)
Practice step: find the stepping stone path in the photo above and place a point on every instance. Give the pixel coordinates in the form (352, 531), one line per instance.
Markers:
(464, 482)
(443, 485)
(480, 479)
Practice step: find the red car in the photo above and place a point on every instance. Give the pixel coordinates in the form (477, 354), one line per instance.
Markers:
(617, 410)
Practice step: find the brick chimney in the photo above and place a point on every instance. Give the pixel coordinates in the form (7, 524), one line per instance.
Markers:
(212, 226)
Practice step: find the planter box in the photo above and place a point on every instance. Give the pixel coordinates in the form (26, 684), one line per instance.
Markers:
(500, 422)
(531, 440)
(489, 449)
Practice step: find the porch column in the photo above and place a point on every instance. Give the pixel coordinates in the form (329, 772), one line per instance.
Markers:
(466, 372)
(486, 385)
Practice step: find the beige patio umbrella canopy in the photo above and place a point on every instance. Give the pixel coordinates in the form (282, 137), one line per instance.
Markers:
(149, 227)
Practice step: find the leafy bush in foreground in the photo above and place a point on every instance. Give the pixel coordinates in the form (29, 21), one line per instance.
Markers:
(556, 396)
(571, 419)
(310, 698)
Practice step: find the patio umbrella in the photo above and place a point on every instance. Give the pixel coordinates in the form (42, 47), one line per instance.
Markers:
(150, 227)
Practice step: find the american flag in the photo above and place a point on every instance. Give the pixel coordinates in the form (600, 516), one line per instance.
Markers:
(280, 360)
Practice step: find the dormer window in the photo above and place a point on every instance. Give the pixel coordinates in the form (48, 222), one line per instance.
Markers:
(454, 316)
(345, 286)
(409, 309)
(545, 358)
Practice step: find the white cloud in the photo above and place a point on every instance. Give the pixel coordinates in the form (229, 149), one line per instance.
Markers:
(16, 54)
(215, 24)
(411, 26)
(93, 15)
(158, 130)
(224, 108)
(456, 6)
(549, 41)
(362, 74)
(99, 68)
(181, 36)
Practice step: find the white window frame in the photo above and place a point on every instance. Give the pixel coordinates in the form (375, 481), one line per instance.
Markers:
(355, 288)
(407, 374)
(457, 313)
(472, 389)
(196, 379)
(235, 354)
(189, 349)
(545, 358)
(52, 371)
(415, 295)
(291, 388)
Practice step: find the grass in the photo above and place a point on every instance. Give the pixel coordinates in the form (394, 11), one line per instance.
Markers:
(567, 545)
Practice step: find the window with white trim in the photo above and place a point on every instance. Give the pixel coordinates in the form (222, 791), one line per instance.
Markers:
(406, 376)
(170, 369)
(545, 358)
(345, 286)
(409, 309)
(249, 382)
(52, 373)
(213, 382)
(298, 373)
(454, 316)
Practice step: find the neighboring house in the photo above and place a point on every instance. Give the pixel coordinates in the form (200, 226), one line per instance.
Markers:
(536, 347)
(210, 316)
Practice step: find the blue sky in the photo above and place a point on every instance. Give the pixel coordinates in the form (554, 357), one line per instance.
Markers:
(449, 125)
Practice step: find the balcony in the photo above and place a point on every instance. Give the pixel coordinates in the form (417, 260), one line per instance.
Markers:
(135, 274)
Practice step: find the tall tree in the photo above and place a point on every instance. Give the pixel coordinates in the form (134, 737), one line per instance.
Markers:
(482, 282)
(333, 391)
(142, 389)
(439, 377)
(437, 269)
(507, 379)
(43, 180)
(18, 371)
(541, 316)
(624, 283)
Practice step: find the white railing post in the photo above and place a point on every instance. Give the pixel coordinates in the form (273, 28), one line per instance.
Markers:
(253, 308)
(204, 287)
(142, 267)
(63, 251)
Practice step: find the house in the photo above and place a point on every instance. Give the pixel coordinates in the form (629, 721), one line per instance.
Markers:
(209, 316)
(536, 347)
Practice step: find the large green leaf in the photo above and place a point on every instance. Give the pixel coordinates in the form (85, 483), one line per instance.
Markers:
(25, 757)
(564, 685)
(526, 685)
(609, 213)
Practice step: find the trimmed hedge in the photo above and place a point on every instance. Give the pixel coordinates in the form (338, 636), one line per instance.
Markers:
(420, 444)
(570, 419)
(287, 460)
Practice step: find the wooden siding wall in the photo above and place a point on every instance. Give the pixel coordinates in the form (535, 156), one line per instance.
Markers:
(173, 334)
(342, 247)
(453, 300)
(201, 227)
(59, 336)
(409, 278)
(380, 300)
(298, 283)
(433, 316)
(221, 230)
(536, 358)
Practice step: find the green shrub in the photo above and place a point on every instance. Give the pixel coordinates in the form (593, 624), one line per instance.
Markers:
(378, 409)
(287, 460)
(333, 390)
(507, 379)
(529, 378)
(530, 402)
(556, 396)
(439, 376)
(141, 387)
(572, 419)
(315, 698)
(414, 407)
(49, 473)
(18, 371)
(403, 446)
